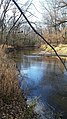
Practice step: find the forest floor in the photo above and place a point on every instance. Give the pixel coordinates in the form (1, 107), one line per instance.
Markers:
(12, 100)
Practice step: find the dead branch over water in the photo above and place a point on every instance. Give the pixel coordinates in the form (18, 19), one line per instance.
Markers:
(44, 40)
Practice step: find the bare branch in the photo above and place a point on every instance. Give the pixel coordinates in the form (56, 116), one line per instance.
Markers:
(1, 3)
(62, 4)
(43, 39)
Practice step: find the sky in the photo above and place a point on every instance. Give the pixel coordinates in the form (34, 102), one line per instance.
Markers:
(34, 9)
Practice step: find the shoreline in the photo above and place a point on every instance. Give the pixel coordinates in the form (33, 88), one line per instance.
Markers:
(61, 49)
(12, 99)
(49, 54)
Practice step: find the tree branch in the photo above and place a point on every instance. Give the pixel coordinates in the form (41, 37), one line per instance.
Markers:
(43, 39)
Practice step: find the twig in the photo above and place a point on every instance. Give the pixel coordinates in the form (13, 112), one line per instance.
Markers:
(43, 39)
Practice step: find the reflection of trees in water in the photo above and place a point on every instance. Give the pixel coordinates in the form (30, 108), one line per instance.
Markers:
(54, 76)
(53, 66)
(58, 96)
(28, 61)
(51, 73)
(55, 62)
(52, 83)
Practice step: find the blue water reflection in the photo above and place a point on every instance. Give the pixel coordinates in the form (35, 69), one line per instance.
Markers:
(44, 78)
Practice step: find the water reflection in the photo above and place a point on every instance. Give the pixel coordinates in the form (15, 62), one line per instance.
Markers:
(42, 77)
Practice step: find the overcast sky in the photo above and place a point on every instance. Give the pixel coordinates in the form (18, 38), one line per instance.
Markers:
(34, 9)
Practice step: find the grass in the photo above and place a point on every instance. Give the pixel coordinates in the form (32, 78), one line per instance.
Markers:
(61, 49)
(12, 100)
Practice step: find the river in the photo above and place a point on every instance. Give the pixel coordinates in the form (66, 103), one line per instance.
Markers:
(44, 81)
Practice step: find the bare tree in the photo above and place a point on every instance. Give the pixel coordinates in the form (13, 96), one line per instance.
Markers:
(44, 40)
(3, 18)
(14, 22)
(55, 19)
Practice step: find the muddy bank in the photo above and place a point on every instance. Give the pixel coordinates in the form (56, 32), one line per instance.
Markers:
(12, 100)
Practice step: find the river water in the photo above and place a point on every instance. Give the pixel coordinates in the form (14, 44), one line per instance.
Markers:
(44, 81)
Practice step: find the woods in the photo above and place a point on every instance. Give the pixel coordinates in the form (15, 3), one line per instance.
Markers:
(43, 26)
(55, 20)
(15, 30)
(52, 29)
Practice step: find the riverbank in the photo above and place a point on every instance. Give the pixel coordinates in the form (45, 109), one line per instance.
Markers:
(61, 49)
(12, 100)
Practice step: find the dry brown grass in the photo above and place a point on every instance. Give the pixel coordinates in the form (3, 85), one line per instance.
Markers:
(55, 37)
(8, 74)
(12, 101)
(61, 48)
